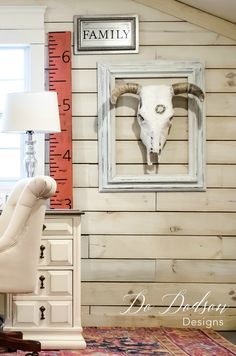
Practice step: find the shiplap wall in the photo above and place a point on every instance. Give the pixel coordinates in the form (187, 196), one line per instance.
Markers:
(159, 243)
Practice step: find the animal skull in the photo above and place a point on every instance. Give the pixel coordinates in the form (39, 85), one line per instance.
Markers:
(155, 111)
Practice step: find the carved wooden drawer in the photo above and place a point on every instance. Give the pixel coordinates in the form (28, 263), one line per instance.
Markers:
(50, 313)
(55, 252)
(57, 227)
(52, 283)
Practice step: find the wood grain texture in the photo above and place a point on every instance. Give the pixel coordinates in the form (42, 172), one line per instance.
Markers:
(191, 238)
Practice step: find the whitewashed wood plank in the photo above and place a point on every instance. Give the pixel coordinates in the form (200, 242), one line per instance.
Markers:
(85, 152)
(64, 11)
(220, 80)
(222, 176)
(195, 247)
(135, 152)
(84, 246)
(176, 271)
(212, 56)
(198, 271)
(218, 176)
(211, 200)
(85, 175)
(118, 270)
(84, 104)
(217, 104)
(84, 80)
(229, 247)
(91, 199)
(154, 33)
(84, 128)
(155, 311)
(102, 293)
(216, 80)
(111, 317)
(90, 61)
(169, 223)
(139, 169)
(221, 152)
(164, 33)
(221, 128)
(130, 152)
(193, 15)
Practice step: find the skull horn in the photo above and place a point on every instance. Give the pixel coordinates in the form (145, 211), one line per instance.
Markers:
(122, 89)
(180, 88)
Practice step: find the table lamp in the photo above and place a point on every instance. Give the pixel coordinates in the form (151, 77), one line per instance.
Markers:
(31, 112)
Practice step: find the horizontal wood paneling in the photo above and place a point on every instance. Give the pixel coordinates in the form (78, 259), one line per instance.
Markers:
(176, 271)
(176, 223)
(118, 270)
(111, 316)
(216, 80)
(218, 152)
(217, 104)
(64, 12)
(161, 33)
(162, 247)
(189, 243)
(91, 199)
(218, 128)
(212, 56)
(101, 293)
(211, 200)
(218, 176)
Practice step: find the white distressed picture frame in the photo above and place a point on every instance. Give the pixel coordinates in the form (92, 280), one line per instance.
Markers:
(109, 74)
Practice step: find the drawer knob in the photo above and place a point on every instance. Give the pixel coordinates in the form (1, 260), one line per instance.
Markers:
(42, 248)
(44, 227)
(42, 278)
(42, 310)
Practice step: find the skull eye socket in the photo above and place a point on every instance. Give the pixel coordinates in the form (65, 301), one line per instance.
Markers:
(141, 118)
(160, 108)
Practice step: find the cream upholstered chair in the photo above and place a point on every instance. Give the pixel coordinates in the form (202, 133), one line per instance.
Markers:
(21, 224)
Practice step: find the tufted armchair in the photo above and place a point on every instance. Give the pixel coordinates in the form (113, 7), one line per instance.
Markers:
(21, 225)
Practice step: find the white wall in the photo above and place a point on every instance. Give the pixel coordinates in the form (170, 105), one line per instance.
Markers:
(157, 242)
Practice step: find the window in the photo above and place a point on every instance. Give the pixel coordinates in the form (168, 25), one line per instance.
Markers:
(13, 78)
(21, 68)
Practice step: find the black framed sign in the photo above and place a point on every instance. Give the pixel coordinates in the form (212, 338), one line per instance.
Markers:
(99, 34)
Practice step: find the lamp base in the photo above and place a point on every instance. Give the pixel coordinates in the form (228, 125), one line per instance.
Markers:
(30, 160)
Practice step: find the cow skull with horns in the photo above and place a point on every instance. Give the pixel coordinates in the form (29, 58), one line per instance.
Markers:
(155, 110)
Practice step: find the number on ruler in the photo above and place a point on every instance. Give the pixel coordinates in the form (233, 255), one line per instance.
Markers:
(67, 155)
(66, 57)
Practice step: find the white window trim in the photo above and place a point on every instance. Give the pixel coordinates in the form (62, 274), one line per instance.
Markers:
(24, 25)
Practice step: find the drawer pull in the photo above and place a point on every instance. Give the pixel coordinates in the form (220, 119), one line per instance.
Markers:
(44, 227)
(42, 248)
(42, 278)
(42, 310)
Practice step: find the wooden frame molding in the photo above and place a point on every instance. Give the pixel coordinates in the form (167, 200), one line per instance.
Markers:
(193, 15)
(111, 145)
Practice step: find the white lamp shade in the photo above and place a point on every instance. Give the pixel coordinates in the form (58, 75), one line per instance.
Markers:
(31, 111)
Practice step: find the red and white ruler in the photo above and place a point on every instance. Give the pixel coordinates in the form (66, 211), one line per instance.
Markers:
(60, 144)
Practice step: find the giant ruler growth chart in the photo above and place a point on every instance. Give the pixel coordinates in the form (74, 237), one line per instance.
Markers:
(60, 144)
